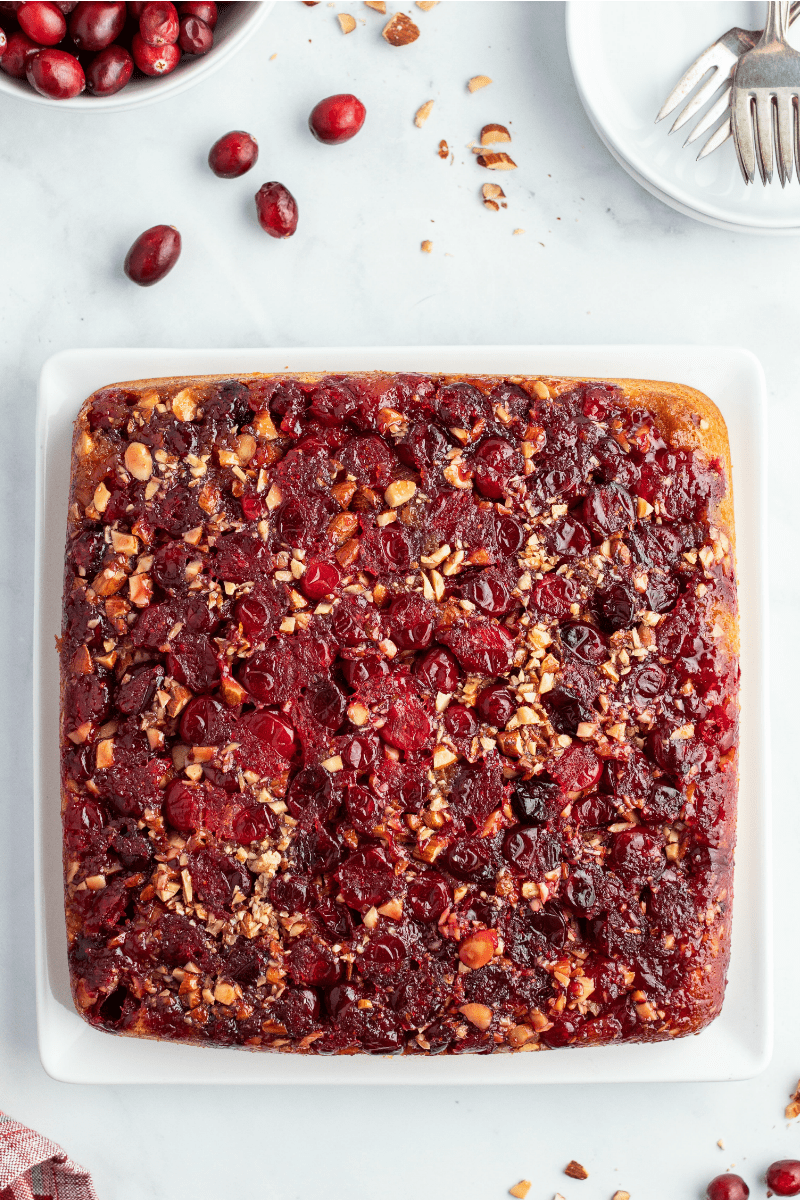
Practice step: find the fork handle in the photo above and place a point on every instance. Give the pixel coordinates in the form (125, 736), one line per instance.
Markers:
(776, 23)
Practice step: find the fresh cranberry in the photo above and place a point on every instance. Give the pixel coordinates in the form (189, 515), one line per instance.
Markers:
(154, 60)
(438, 670)
(427, 897)
(784, 1177)
(233, 154)
(408, 726)
(577, 768)
(153, 254)
(412, 621)
(206, 12)
(43, 23)
(584, 641)
(277, 210)
(95, 26)
(337, 119)
(195, 37)
(459, 721)
(727, 1187)
(203, 722)
(158, 24)
(109, 71)
(274, 731)
(496, 705)
(56, 74)
(320, 579)
(19, 51)
(183, 806)
(3, 42)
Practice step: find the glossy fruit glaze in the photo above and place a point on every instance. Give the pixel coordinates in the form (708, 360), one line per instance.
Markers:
(399, 714)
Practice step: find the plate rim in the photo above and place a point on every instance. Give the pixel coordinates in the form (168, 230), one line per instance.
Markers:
(71, 1051)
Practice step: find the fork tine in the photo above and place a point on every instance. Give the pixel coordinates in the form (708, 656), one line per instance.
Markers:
(763, 139)
(698, 100)
(784, 121)
(742, 125)
(716, 140)
(796, 108)
(685, 84)
(717, 110)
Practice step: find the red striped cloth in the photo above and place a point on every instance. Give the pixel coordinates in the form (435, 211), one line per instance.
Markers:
(34, 1168)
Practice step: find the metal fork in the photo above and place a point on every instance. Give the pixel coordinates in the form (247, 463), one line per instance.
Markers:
(765, 98)
(720, 58)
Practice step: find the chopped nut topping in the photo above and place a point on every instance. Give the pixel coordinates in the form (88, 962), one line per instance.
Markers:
(479, 1015)
(346, 23)
(400, 30)
(490, 134)
(426, 246)
(496, 162)
(575, 1170)
(422, 114)
(139, 461)
(477, 82)
(400, 492)
(521, 1189)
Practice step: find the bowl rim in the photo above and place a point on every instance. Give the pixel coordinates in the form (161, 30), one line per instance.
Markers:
(192, 72)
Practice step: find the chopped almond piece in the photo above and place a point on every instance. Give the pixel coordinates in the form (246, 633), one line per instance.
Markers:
(517, 231)
(575, 1170)
(426, 246)
(477, 82)
(496, 162)
(426, 5)
(492, 191)
(479, 1015)
(423, 113)
(521, 1189)
(494, 133)
(400, 30)
(346, 23)
(378, 5)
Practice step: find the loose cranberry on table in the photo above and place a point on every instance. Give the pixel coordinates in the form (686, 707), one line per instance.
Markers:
(233, 154)
(154, 60)
(277, 210)
(337, 119)
(783, 1177)
(56, 74)
(95, 26)
(195, 36)
(727, 1187)
(19, 50)
(44, 23)
(3, 42)
(109, 71)
(159, 24)
(153, 255)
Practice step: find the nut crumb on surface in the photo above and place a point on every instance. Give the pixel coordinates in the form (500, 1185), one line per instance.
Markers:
(516, 231)
(346, 23)
(378, 5)
(499, 161)
(400, 30)
(444, 149)
(422, 113)
(426, 246)
(575, 1170)
(521, 1189)
(492, 133)
(793, 1107)
(477, 82)
(621, 1196)
(721, 1143)
(426, 5)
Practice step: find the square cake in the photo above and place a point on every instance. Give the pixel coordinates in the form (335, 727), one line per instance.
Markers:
(399, 712)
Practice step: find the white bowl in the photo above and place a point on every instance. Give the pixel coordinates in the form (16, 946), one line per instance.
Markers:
(736, 1046)
(237, 24)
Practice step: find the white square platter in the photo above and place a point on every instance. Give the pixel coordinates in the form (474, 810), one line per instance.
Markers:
(736, 1046)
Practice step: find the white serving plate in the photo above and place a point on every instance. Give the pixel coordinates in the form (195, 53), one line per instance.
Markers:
(626, 59)
(736, 1046)
(237, 24)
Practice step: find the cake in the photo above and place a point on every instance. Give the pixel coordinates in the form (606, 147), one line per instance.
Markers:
(399, 712)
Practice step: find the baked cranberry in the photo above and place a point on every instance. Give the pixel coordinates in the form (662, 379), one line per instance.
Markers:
(496, 705)
(459, 721)
(320, 579)
(584, 641)
(567, 538)
(727, 1187)
(313, 962)
(204, 722)
(537, 800)
(489, 595)
(252, 824)
(277, 210)
(154, 60)
(95, 26)
(366, 878)
(467, 858)
(153, 254)
(43, 23)
(158, 24)
(358, 671)
(327, 703)
(337, 119)
(784, 1177)
(386, 951)
(361, 753)
(256, 615)
(566, 710)
(438, 670)
(580, 892)
(362, 808)
(427, 897)
(206, 12)
(496, 463)
(109, 71)
(195, 37)
(233, 154)
(56, 74)
(297, 1010)
(290, 893)
(408, 726)
(274, 731)
(3, 42)
(608, 510)
(509, 535)
(577, 768)
(618, 605)
(19, 51)
(635, 854)
(412, 621)
(184, 806)
(647, 684)
(193, 662)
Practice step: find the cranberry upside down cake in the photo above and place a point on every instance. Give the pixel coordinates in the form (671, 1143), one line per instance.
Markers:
(399, 712)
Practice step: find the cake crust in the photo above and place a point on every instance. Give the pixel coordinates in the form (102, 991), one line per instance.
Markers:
(399, 712)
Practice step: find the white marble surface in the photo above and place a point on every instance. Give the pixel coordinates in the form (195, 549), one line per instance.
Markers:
(600, 261)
